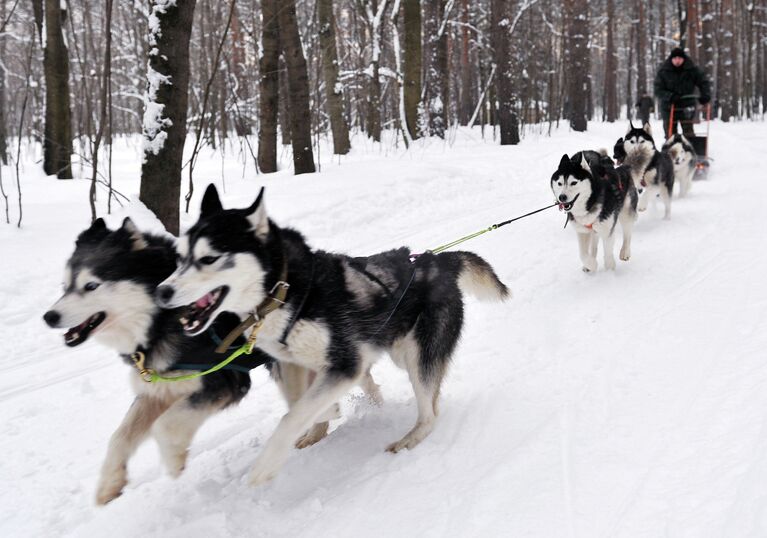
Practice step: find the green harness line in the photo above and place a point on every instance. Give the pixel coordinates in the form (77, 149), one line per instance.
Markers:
(150, 376)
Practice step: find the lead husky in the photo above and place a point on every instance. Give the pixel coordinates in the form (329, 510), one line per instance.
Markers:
(340, 313)
(651, 170)
(109, 288)
(596, 196)
(684, 159)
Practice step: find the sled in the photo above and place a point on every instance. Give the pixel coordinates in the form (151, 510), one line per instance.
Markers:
(691, 115)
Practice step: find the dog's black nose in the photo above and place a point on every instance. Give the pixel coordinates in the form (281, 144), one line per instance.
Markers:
(562, 198)
(163, 294)
(52, 318)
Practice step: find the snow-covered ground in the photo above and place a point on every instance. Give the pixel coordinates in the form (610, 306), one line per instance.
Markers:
(619, 404)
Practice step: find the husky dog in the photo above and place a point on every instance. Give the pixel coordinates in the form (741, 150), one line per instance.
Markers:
(340, 313)
(651, 170)
(619, 154)
(596, 196)
(683, 157)
(109, 286)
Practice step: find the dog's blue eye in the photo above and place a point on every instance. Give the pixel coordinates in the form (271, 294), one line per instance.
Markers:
(207, 260)
(90, 286)
(573, 183)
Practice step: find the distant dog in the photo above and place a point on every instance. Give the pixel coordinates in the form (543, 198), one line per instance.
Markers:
(340, 313)
(684, 159)
(109, 285)
(651, 170)
(596, 196)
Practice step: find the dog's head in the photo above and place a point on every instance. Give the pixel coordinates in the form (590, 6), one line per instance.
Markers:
(108, 285)
(679, 149)
(225, 262)
(573, 180)
(638, 140)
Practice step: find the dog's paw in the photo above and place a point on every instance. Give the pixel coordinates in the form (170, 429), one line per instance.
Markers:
(315, 434)
(261, 474)
(110, 487)
(625, 256)
(590, 266)
(175, 463)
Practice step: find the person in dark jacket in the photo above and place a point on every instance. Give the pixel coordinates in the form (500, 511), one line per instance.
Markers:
(675, 84)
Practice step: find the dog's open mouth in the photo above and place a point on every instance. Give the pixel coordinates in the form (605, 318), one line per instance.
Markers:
(198, 313)
(567, 206)
(77, 335)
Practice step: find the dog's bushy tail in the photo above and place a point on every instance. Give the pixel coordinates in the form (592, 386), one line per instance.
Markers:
(476, 277)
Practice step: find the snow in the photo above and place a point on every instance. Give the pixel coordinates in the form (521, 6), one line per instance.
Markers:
(618, 404)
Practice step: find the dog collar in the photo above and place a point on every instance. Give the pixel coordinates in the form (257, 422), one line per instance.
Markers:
(274, 300)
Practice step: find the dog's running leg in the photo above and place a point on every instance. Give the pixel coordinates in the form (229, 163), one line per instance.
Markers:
(644, 198)
(176, 427)
(326, 390)
(293, 381)
(131, 432)
(627, 225)
(584, 246)
(608, 242)
(371, 388)
(665, 195)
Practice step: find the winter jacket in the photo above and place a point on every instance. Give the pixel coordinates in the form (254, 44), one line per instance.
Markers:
(672, 83)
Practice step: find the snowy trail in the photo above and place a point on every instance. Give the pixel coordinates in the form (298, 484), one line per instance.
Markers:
(630, 403)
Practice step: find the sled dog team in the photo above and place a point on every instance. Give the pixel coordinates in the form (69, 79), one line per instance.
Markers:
(329, 316)
(597, 195)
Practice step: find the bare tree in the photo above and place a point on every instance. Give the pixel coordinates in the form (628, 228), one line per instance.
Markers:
(500, 35)
(611, 66)
(269, 87)
(298, 85)
(577, 60)
(412, 64)
(166, 108)
(333, 86)
(57, 142)
(435, 89)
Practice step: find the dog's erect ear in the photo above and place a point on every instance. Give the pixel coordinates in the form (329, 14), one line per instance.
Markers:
(94, 234)
(584, 163)
(98, 225)
(256, 214)
(646, 128)
(137, 240)
(211, 203)
(564, 162)
(631, 125)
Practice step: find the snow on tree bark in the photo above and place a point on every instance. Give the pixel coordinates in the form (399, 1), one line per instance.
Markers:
(164, 124)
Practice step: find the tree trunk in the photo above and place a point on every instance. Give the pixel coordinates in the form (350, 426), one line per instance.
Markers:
(466, 102)
(505, 92)
(708, 39)
(333, 87)
(298, 86)
(662, 30)
(57, 144)
(611, 66)
(726, 55)
(166, 109)
(435, 67)
(3, 126)
(412, 68)
(641, 50)
(284, 102)
(577, 60)
(692, 29)
(269, 88)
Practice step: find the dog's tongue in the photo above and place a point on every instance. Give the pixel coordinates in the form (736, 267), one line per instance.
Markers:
(203, 301)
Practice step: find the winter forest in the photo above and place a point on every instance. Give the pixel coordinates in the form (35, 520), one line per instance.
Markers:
(395, 363)
(260, 75)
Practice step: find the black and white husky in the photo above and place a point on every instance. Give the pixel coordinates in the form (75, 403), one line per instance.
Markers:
(684, 159)
(596, 196)
(340, 314)
(109, 286)
(651, 170)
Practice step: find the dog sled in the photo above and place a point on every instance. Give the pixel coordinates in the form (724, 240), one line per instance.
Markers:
(692, 116)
